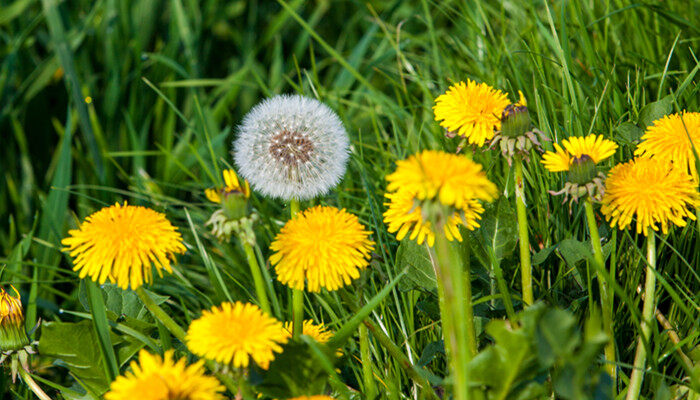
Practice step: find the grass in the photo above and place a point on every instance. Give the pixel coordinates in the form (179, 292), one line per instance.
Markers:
(108, 101)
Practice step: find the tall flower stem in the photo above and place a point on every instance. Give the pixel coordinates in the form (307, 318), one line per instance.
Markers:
(297, 295)
(160, 314)
(452, 311)
(257, 277)
(640, 357)
(525, 262)
(606, 299)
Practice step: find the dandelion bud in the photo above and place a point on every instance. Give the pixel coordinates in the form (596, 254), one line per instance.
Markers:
(515, 121)
(582, 170)
(13, 336)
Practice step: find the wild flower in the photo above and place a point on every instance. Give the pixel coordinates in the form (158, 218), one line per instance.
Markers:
(471, 110)
(122, 243)
(435, 183)
(321, 247)
(671, 139)
(157, 378)
(652, 192)
(234, 334)
(291, 147)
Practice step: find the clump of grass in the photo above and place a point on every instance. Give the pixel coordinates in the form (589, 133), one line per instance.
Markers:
(109, 102)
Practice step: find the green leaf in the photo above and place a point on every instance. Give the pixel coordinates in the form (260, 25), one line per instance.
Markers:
(416, 258)
(75, 345)
(654, 111)
(556, 336)
(499, 229)
(542, 255)
(294, 372)
(629, 132)
(430, 352)
(574, 251)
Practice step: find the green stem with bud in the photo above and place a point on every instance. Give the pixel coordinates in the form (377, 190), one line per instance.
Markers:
(605, 295)
(640, 357)
(525, 261)
(257, 277)
(297, 295)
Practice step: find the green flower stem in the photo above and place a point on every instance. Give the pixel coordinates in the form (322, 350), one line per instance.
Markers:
(366, 356)
(452, 311)
(297, 313)
(159, 314)
(403, 361)
(297, 295)
(525, 263)
(32, 385)
(640, 357)
(257, 277)
(606, 299)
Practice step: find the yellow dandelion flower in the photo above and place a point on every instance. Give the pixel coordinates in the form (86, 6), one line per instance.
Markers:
(121, 243)
(321, 247)
(403, 216)
(318, 332)
(450, 179)
(472, 110)
(13, 336)
(593, 146)
(235, 333)
(156, 378)
(668, 140)
(650, 190)
(231, 185)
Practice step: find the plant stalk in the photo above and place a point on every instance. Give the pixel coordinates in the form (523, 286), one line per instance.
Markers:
(640, 357)
(525, 260)
(160, 314)
(297, 295)
(451, 295)
(257, 277)
(606, 298)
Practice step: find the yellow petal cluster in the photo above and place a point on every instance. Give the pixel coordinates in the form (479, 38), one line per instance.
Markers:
(318, 332)
(321, 247)
(594, 146)
(450, 179)
(122, 243)
(156, 378)
(231, 185)
(669, 139)
(472, 110)
(236, 333)
(650, 191)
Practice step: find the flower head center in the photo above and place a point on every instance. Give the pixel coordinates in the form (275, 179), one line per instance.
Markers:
(291, 148)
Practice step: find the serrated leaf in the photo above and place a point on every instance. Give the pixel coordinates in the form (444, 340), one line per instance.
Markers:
(420, 268)
(542, 255)
(574, 251)
(75, 345)
(431, 351)
(656, 110)
(500, 229)
(629, 132)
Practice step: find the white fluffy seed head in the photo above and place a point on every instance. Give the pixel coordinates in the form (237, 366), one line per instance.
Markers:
(291, 147)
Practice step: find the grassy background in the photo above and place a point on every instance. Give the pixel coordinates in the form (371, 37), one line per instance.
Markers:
(108, 101)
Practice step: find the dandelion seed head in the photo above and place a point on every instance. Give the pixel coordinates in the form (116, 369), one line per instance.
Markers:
(291, 147)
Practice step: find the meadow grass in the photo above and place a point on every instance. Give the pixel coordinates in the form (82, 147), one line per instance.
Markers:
(109, 101)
